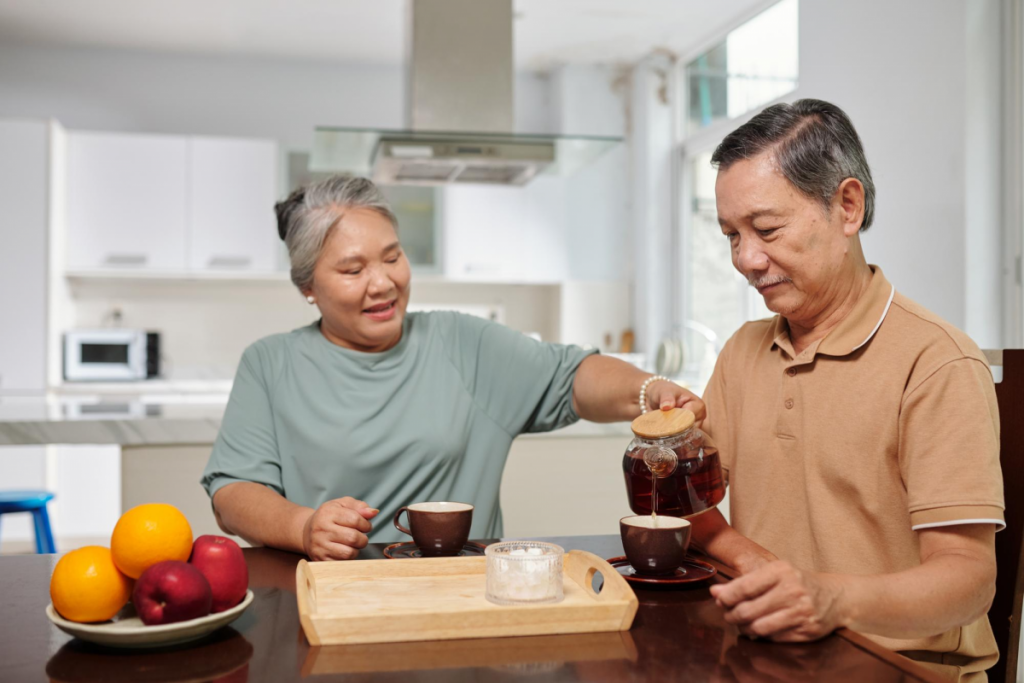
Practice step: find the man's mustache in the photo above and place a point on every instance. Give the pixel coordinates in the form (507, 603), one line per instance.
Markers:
(757, 282)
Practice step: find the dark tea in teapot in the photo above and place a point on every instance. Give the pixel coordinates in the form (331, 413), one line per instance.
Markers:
(686, 484)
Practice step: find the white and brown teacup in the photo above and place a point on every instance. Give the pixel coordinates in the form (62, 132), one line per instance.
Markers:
(655, 546)
(438, 529)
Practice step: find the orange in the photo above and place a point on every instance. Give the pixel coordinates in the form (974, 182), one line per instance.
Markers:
(148, 534)
(86, 586)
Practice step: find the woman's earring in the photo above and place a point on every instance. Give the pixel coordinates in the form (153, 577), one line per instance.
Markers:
(310, 299)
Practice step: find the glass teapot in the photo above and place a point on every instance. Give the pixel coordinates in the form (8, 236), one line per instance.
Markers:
(671, 467)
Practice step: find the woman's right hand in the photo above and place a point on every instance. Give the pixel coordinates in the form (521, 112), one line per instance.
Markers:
(337, 529)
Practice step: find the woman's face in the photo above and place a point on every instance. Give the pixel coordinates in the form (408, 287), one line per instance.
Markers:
(361, 283)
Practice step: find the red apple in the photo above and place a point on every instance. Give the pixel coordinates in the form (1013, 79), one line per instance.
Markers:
(222, 563)
(171, 591)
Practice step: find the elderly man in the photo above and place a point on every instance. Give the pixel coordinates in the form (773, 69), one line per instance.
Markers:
(859, 430)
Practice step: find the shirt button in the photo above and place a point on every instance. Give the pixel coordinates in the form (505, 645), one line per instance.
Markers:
(789, 403)
(791, 372)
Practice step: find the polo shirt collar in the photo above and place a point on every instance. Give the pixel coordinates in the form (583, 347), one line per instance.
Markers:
(856, 329)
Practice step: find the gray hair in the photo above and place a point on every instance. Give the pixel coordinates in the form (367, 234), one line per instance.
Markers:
(813, 143)
(306, 218)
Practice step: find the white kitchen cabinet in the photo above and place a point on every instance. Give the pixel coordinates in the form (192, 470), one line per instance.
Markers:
(506, 234)
(87, 485)
(126, 201)
(24, 196)
(232, 189)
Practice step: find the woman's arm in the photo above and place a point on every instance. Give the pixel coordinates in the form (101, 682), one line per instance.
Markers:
(608, 390)
(334, 531)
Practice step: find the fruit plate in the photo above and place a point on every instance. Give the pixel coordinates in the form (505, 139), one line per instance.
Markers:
(127, 630)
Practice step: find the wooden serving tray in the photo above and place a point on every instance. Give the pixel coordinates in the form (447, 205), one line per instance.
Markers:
(387, 601)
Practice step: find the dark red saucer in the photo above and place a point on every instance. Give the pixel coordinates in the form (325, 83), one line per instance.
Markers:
(692, 571)
(408, 549)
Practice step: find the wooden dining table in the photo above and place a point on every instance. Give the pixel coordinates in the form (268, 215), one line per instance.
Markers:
(679, 634)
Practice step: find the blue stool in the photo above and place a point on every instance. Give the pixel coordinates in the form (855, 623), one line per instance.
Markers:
(34, 502)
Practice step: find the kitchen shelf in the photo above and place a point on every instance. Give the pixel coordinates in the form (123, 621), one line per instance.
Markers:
(106, 275)
(170, 275)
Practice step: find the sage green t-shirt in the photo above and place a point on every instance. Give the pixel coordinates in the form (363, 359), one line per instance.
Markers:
(431, 419)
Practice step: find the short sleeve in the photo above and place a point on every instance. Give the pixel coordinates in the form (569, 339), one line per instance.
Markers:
(522, 384)
(949, 447)
(716, 423)
(246, 447)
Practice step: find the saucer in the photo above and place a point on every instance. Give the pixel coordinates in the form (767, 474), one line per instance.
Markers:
(401, 551)
(693, 570)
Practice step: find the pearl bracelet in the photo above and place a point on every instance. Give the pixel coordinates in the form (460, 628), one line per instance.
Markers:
(643, 390)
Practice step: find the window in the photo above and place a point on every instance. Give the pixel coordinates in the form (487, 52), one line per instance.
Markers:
(719, 298)
(755, 64)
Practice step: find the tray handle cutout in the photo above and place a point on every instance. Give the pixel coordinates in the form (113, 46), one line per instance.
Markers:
(581, 566)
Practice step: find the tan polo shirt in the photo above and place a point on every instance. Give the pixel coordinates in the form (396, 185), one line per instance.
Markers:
(837, 456)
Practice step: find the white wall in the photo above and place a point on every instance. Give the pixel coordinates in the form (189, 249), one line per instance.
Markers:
(207, 325)
(598, 232)
(24, 185)
(898, 69)
(984, 236)
(161, 93)
(121, 90)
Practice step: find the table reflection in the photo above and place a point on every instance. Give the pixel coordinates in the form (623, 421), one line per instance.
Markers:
(223, 657)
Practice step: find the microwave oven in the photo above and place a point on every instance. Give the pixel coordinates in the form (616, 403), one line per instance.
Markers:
(111, 355)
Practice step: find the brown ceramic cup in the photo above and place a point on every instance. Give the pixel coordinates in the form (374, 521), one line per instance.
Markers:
(438, 529)
(655, 546)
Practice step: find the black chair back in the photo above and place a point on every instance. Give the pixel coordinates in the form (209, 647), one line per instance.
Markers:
(1005, 613)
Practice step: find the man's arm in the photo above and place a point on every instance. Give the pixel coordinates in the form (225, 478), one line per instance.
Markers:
(712, 535)
(953, 586)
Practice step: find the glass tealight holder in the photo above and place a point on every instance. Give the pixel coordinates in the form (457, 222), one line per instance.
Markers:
(524, 573)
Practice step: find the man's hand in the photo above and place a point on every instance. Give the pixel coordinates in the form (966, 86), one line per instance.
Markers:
(337, 529)
(780, 602)
(667, 395)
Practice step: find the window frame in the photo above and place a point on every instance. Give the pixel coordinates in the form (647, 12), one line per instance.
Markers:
(689, 145)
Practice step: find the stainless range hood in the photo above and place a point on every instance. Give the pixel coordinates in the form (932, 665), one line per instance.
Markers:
(461, 112)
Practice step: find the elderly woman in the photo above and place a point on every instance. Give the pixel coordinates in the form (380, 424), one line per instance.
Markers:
(369, 409)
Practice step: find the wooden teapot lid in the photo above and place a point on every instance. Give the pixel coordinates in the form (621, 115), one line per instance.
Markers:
(658, 424)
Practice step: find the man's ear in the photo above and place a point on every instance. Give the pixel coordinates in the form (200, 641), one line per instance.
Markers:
(850, 200)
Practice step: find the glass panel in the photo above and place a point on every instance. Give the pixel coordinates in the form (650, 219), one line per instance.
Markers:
(718, 297)
(416, 207)
(755, 64)
(351, 150)
(105, 353)
(716, 293)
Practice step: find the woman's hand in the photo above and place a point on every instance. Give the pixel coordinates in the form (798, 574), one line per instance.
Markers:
(666, 395)
(337, 529)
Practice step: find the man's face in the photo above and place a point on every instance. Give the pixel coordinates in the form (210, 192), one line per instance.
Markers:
(782, 241)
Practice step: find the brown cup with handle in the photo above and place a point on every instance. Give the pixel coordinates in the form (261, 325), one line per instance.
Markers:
(438, 529)
(655, 546)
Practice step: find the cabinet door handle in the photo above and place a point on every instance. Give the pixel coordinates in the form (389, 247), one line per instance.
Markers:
(126, 259)
(229, 261)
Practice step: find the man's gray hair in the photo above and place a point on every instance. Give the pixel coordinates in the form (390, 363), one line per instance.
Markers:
(306, 218)
(813, 143)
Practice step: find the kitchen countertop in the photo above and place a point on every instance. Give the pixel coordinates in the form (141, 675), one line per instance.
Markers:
(157, 420)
